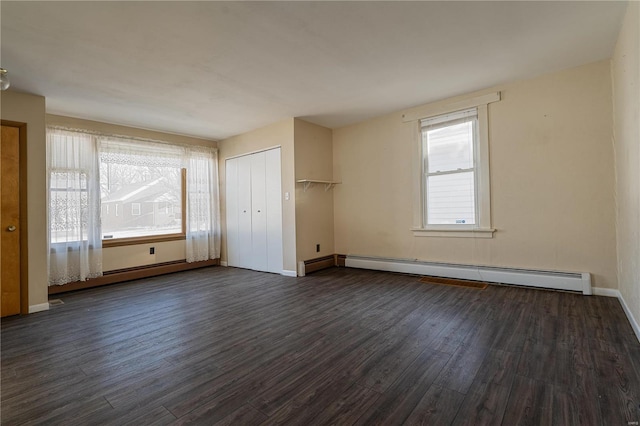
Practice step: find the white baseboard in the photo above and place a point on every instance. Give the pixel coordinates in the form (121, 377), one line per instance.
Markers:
(223, 263)
(610, 292)
(632, 320)
(570, 281)
(38, 308)
(607, 292)
(288, 273)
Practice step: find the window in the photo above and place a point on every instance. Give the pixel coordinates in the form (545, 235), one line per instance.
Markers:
(68, 205)
(453, 193)
(107, 190)
(144, 181)
(448, 146)
(135, 209)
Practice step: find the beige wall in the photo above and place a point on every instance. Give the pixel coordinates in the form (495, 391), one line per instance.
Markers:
(276, 135)
(30, 109)
(114, 258)
(626, 106)
(551, 182)
(314, 208)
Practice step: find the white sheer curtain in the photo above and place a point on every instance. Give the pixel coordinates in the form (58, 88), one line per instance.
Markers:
(79, 167)
(75, 244)
(203, 207)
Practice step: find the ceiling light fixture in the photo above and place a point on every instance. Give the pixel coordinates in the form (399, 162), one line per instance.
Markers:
(4, 80)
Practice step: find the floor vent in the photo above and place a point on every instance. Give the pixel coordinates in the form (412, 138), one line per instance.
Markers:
(457, 283)
(55, 302)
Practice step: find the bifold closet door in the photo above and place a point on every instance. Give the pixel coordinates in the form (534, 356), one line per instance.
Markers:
(273, 189)
(258, 212)
(254, 211)
(245, 237)
(231, 206)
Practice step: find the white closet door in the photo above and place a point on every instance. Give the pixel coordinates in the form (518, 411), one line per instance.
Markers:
(245, 251)
(258, 212)
(232, 212)
(254, 211)
(273, 184)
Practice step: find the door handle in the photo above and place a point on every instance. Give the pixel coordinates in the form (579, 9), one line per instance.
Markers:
(11, 228)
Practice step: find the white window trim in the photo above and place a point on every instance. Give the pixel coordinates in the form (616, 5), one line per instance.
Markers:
(483, 228)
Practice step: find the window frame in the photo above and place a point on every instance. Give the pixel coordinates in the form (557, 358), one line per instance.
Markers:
(482, 228)
(117, 242)
(473, 169)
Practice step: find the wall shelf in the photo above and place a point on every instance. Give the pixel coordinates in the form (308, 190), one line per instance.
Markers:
(328, 184)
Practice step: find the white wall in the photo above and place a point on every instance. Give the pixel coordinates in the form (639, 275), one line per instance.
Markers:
(552, 182)
(626, 106)
(30, 109)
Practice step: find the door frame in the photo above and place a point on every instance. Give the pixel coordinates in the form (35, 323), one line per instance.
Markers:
(24, 252)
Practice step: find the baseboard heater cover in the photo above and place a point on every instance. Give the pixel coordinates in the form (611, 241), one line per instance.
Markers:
(569, 281)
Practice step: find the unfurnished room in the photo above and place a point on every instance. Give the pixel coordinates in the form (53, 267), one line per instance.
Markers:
(320, 212)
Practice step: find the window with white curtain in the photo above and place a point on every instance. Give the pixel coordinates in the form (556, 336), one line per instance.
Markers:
(74, 207)
(117, 190)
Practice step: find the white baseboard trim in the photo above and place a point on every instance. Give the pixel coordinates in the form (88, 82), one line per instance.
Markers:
(607, 292)
(610, 292)
(38, 308)
(223, 263)
(288, 273)
(571, 281)
(632, 320)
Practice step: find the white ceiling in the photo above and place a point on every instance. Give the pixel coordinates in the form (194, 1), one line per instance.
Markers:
(216, 69)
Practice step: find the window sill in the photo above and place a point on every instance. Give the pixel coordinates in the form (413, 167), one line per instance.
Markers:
(117, 242)
(454, 232)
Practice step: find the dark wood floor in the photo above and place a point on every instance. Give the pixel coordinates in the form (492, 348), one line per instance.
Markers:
(341, 346)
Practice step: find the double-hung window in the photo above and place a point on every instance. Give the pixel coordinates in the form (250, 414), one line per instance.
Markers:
(454, 171)
(449, 145)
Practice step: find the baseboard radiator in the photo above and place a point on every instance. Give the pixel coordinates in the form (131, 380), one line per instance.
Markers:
(569, 281)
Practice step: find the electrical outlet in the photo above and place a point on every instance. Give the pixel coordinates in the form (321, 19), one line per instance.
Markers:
(317, 248)
(152, 250)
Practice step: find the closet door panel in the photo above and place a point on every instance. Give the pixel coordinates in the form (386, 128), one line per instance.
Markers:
(245, 253)
(258, 212)
(273, 184)
(232, 211)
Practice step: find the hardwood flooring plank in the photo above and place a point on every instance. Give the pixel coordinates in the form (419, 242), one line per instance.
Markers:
(339, 346)
(530, 403)
(399, 400)
(439, 406)
(461, 369)
(245, 415)
(487, 398)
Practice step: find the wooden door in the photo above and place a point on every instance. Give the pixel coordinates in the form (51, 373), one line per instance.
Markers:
(10, 221)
